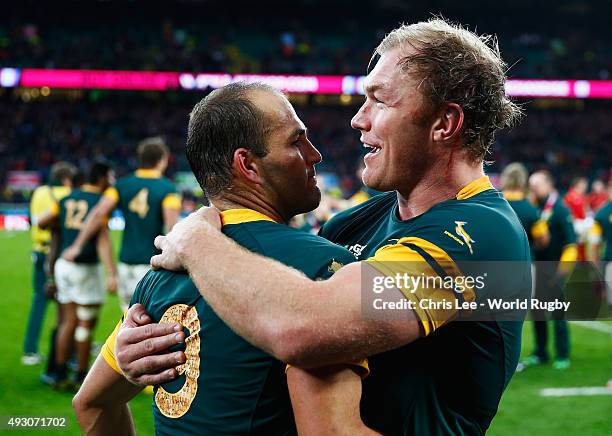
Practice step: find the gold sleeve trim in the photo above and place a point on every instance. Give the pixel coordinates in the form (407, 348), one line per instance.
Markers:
(596, 230)
(570, 253)
(399, 258)
(539, 229)
(172, 201)
(108, 349)
(111, 193)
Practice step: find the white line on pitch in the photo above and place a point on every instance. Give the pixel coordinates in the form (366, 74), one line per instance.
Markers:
(594, 325)
(575, 392)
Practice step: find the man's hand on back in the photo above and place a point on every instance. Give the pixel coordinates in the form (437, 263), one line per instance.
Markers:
(141, 348)
(71, 253)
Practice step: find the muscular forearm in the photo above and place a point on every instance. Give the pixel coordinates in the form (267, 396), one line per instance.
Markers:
(90, 228)
(326, 401)
(95, 220)
(101, 403)
(115, 420)
(278, 309)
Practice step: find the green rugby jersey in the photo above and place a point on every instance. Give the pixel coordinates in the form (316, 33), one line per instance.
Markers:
(73, 211)
(141, 197)
(528, 215)
(451, 380)
(562, 235)
(227, 386)
(603, 228)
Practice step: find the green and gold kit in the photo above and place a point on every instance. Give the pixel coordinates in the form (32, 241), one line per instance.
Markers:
(562, 235)
(603, 228)
(227, 386)
(449, 381)
(528, 215)
(142, 197)
(73, 211)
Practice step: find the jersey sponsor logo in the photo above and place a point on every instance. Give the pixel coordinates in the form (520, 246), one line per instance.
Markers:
(460, 231)
(357, 249)
(176, 404)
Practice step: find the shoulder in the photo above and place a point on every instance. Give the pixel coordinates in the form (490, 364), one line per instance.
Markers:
(603, 214)
(308, 253)
(167, 182)
(92, 196)
(561, 208)
(161, 286)
(125, 180)
(60, 191)
(367, 206)
(483, 227)
(43, 191)
(74, 195)
(374, 207)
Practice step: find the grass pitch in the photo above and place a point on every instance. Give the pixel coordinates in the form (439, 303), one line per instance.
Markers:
(522, 410)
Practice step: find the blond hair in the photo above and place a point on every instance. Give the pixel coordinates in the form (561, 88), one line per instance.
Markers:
(514, 177)
(459, 66)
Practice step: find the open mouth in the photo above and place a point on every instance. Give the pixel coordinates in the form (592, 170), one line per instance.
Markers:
(373, 149)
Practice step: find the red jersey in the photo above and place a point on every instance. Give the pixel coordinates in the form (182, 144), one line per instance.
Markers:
(576, 203)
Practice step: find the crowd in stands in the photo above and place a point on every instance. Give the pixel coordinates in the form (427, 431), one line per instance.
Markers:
(34, 135)
(561, 44)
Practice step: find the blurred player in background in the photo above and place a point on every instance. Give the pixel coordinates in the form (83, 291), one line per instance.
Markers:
(259, 177)
(577, 202)
(80, 286)
(43, 199)
(598, 196)
(601, 233)
(554, 264)
(514, 186)
(150, 206)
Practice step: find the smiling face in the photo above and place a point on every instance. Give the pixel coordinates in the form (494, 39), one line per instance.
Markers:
(395, 124)
(288, 169)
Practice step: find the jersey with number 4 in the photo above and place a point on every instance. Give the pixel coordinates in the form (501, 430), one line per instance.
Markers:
(141, 197)
(73, 210)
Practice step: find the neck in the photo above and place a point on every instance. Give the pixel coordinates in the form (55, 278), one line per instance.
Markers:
(433, 189)
(230, 200)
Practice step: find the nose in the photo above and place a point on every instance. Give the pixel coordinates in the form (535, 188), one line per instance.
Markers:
(361, 119)
(311, 154)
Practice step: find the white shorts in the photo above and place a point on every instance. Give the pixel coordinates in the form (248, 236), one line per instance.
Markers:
(80, 283)
(129, 276)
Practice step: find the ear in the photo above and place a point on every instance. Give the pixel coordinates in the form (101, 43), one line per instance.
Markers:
(245, 167)
(448, 126)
